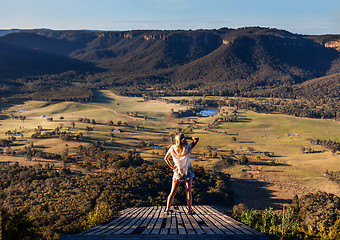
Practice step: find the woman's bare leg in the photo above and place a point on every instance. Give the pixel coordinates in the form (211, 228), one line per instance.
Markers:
(174, 188)
(188, 185)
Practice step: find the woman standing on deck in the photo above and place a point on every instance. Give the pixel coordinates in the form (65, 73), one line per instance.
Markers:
(183, 171)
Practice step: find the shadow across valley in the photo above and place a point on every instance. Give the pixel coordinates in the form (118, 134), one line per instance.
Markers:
(255, 194)
(265, 163)
(100, 97)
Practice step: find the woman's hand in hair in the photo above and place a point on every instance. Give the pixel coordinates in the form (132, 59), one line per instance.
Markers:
(194, 141)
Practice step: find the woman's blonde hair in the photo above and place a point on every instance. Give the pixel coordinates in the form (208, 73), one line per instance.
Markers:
(179, 144)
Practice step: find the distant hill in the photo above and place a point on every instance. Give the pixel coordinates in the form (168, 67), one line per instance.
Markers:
(16, 60)
(327, 87)
(224, 61)
(8, 31)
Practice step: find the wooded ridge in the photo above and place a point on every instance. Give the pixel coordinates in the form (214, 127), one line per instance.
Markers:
(228, 62)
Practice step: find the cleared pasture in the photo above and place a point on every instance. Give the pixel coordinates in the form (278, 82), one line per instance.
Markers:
(252, 135)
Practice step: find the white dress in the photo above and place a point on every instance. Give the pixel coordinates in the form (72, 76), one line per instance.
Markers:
(184, 170)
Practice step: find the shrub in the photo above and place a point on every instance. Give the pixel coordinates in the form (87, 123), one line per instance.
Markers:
(317, 210)
(243, 160)
(270, 223)
(238, 209)
(100, 214)
(332, 233)
(271, 162)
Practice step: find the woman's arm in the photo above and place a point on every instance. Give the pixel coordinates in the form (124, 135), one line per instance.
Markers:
(194, 141)
(166, 159)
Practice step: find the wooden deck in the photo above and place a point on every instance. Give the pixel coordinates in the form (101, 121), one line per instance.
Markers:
(152, 223)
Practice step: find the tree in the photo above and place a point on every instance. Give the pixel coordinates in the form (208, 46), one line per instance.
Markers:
(243, 159)
(109, 123)
(100, 214)
(18, 226)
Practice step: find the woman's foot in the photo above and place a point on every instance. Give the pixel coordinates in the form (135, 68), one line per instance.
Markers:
(166, 212)
(190, 212)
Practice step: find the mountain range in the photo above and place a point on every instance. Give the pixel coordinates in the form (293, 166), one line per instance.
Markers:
(226, 61)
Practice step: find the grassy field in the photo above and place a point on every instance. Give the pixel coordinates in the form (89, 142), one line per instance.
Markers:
(289, 173)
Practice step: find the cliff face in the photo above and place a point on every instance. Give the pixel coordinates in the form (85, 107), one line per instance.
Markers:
(329, 41)
(333, 44)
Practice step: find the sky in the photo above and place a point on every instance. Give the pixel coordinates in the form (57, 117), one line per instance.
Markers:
(297, 16)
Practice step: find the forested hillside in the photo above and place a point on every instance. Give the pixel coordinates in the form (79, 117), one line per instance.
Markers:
(62, 202)
(226, 61)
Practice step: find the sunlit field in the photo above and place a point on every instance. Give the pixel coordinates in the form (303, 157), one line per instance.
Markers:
(135, 120)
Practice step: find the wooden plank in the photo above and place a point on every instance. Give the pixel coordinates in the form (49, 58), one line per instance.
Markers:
(126, 210)
(187, 224)
(120, 225)
(167, 220)
(114, 223)
(156, 212)
(213, 219)
(180, 223)
(140, 221)
(207, 221)
(244, 226)
(152, 215)
(173, 226)
(101, 226)
(201, 225)
(130, 223)
(240, 226)
(237, 229)
(158, 225)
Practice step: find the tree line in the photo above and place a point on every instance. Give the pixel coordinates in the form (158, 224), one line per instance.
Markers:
(298, 108)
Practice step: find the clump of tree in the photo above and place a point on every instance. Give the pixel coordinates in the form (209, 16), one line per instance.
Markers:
(29, 152)
(317, 213)
(269, 222)
(333, 176)
(312, 216)
(5, 142)
(186, 113)
(97, 157)
(307, 150)
(329, 144)
(20, 117)
(296, 107)
(17, 225)
(87, 120)
(57, 133)
(243, 159)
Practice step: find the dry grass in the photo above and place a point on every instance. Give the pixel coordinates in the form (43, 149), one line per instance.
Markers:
(263, 132)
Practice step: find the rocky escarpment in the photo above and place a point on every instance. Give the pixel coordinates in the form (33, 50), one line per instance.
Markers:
(333, 44)
(329, 41)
